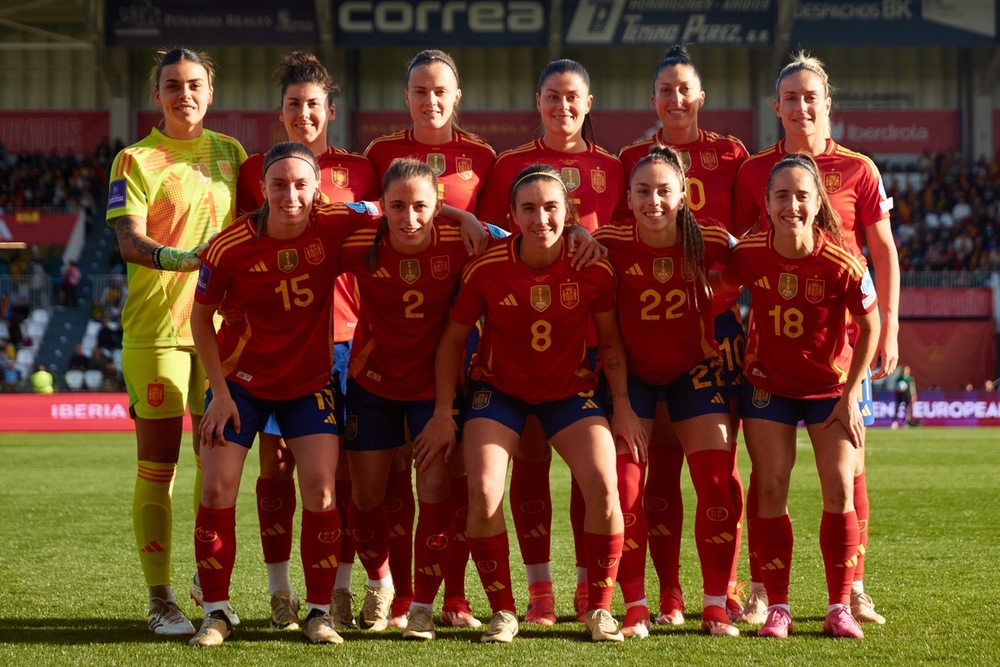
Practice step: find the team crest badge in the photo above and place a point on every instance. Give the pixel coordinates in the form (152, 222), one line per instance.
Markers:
(569, 295)
(663, 268)
(709, 159)
(340, 177)
(314, 252)
(409, 270)
(481, 399)
(226, 169)
(571, 177)
(155, 394)
(761, 399)
(351, 427)
(436, 162)
(598, 180)
(685, 160)
(541, 297)
(201, 173)
(788, 285)
(832, 181)
(815, 290)
(440, 267)
(288, 259)
(463, 166)
(328, 536)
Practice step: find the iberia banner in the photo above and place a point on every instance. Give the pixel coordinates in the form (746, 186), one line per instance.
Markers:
(82, 411)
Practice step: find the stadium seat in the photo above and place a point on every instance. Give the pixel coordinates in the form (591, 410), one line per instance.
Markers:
(92, 328)
(93, 379)
(26, 357)
(41, 316)
(74, 380)
(89, 342)
(4, 329)
(116, 356)
(36, 330)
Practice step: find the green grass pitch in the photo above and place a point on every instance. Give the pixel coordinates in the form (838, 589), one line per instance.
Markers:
(71, 591)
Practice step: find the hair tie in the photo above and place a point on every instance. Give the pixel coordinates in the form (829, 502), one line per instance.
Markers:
(554, 177)
(312, 165)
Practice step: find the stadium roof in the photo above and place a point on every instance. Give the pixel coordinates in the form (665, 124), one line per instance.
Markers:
(50, 24)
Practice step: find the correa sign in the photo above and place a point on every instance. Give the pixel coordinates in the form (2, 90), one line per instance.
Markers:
(441, 22)
(150, 23)
(665, 22)
(895, 22)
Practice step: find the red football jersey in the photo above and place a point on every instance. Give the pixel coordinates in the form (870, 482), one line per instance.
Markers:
(712, 162)
(664, 334)
(595, 180)
(405, 302)
(461, 166)
(343, 177)
(281, 348)
(852, 180)
(533, 345)
(797, 345)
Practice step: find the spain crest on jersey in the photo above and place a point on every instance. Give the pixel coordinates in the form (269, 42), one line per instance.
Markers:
(351, 427)
(481, 399)
(569, 295)
(832, 181)
(685, 160)
(340, 177)
(815, 289)
(788, 285)
(440, 267)
(541, 297)
(201, 173)
(709, 159)
(598, 180)
(663, 268)
(571, 177)
(288, 259)
(409, 270)
(155, 393)
(314, 252)
(761, 399)
(226, 169)
(436, 162)
(463, 167)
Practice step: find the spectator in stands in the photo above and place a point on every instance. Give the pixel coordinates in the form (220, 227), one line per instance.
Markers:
(906, 393)
(42, 381)
(79, 360)
(11, 377)
(70, 280)
(96, 311)
(109, 337)
(989, 385)
(99, 360)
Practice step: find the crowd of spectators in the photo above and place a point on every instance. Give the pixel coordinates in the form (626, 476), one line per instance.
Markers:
(949, 220)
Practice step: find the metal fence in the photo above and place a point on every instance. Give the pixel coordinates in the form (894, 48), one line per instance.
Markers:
(36, 289)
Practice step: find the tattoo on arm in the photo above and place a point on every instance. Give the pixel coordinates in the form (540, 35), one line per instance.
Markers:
(130, 235)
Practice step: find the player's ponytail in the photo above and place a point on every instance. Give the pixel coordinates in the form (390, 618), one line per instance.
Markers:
(401, 169)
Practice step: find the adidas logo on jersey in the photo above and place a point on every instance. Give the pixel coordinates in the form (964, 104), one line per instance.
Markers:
(381, 273)
(763, 282)
(589, 404)
(718, 398)
(259, 267)
(634, 270)
(509, 300)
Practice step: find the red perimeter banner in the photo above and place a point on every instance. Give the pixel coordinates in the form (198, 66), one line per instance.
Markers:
(47, 131)
(943, 303)
(895, 131)
(504, 130)
(67, 412)
(31, 225)
(949, 353)
(257, 131)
